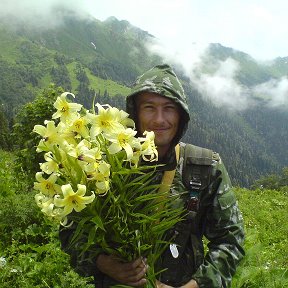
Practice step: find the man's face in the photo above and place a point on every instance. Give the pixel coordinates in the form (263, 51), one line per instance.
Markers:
(159, 114)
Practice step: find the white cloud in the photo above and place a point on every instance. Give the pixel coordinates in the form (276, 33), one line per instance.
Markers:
(275, 92)
(38, 14)
(221, 87)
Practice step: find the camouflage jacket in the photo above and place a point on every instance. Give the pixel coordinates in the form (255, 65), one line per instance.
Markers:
(217, 218)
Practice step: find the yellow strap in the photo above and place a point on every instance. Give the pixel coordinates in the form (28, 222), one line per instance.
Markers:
(168, 176)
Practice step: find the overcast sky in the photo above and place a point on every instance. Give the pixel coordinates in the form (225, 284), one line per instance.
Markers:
(184, 27)
(257, 27)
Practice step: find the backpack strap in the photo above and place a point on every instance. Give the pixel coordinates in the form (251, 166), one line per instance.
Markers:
(196, 177)
(196, 167)
(196, 173)
(168, 176)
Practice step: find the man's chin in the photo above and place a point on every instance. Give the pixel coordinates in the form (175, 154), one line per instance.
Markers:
(162, 144)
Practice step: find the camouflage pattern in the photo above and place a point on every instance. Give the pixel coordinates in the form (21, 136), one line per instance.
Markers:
(218, 218)
(222, 222)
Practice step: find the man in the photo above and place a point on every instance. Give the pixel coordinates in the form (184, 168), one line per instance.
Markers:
(158, 103)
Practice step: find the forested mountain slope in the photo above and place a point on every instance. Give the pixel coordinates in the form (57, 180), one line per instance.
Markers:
(88, 57)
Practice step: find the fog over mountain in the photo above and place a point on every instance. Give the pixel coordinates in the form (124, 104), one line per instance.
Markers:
(40, 15)
(221, 86)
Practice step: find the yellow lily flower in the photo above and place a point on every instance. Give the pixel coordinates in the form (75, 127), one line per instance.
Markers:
(68, 136)
(134, 161)
(106, 121)
(73, 200)
(124, 119)
(91, 169)
(83, 153)
(102, 178)
(47, 206)
(104, 169)
(49, 134)
(47, 186)
(91, 155)
(102, 187)
(148, 147)
(77, 151)
(78, 128)
(66, 111)
(51, 166)
(123, 139)
(98, 170)
(41, 199)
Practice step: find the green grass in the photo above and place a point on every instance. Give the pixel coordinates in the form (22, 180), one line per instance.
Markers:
(96, 83)
(29, 243)
(112, 87)
(8, 46)
(266, 224)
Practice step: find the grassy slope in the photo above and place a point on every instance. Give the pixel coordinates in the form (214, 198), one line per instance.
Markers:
(11, 45)
(8, 46)
(266, 224)
(97, 83)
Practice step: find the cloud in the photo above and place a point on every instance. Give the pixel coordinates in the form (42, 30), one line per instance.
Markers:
(217, 81)
(220, 87)
(39, 14)
(274, 92)
(189, 57)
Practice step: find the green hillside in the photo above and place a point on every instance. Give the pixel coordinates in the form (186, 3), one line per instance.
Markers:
(27, 67)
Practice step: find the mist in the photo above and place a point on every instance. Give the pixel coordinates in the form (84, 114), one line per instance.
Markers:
(37, 14)
(274, 91)
(221, 87)
(219, 84)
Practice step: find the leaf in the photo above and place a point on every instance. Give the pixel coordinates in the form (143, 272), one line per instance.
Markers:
(76, 171)
(98, 221)
(91, 235)
(80, 228)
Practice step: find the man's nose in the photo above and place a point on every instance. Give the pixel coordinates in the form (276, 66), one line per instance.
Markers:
(159, 116)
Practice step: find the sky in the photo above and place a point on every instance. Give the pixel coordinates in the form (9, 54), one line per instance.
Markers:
(184, 28)
(256, 27)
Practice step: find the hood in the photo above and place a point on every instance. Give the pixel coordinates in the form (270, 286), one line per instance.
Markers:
(162, 80)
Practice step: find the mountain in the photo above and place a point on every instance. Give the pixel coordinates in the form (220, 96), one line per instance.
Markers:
(88, 57)
(31, 58)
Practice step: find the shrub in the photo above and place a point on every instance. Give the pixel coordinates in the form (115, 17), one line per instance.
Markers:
(24, 139)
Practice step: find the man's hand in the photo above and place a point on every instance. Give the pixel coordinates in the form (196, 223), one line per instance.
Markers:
(190, 284)
(162, 285)
(131, 273)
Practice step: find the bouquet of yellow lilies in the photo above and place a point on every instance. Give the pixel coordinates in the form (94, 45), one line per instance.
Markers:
(92, 178)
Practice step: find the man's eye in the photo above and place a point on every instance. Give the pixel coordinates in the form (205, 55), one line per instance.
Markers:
(171, 107)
